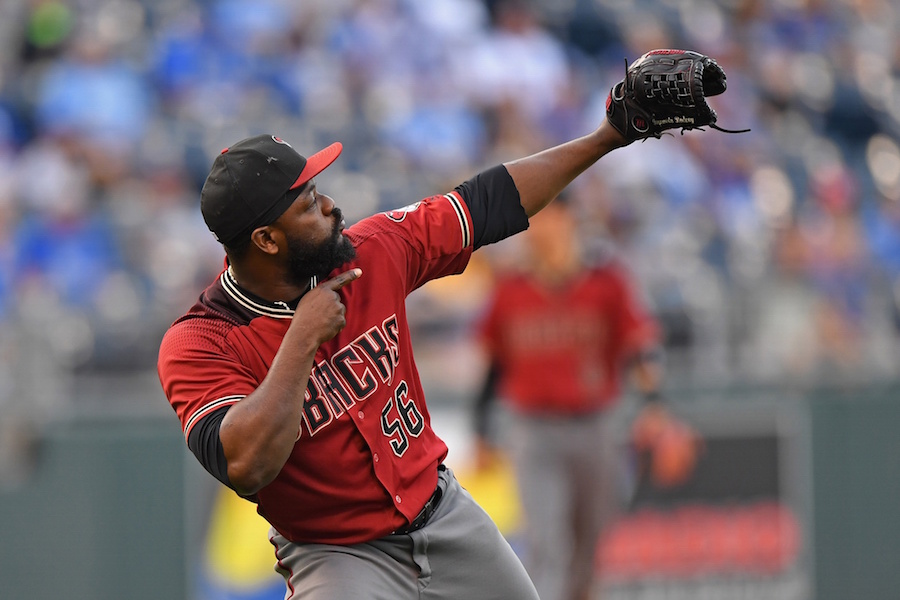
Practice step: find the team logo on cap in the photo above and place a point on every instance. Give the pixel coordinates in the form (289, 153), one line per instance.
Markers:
(399, 214)
(278, 140)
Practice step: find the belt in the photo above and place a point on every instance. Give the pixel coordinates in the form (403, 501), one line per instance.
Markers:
(430, 506)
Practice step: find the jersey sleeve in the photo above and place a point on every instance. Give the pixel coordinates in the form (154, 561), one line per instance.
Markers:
(201, 372)
(426, 240)
(437, 235)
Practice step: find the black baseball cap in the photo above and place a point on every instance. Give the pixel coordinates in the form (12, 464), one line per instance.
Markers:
(249, 184)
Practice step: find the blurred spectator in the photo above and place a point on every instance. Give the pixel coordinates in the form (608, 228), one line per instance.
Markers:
(97, 102)
(520, 65)
(882, 235)
(62, 240)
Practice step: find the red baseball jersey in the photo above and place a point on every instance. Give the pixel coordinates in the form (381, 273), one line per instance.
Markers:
(366, 457)
(561, 350)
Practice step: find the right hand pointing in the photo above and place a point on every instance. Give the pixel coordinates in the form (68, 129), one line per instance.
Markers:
(321, 311)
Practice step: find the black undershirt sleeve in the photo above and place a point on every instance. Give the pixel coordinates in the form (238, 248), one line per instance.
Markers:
(204, 442)
(494, 204)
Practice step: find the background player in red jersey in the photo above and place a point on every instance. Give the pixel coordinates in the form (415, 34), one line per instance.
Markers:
(294, 380)
(559, 335)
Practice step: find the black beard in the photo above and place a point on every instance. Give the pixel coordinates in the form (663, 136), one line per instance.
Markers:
(308, 260)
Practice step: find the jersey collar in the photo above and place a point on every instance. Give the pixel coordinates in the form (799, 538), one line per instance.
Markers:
(253, 303)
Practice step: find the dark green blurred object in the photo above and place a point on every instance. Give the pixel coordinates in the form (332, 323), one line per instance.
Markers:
(49, 25)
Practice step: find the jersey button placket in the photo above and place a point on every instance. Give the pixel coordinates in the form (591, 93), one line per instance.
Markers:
(361, 415)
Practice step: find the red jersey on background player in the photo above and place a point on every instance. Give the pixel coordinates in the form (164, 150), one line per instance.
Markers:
(562, 329)
(559, 335)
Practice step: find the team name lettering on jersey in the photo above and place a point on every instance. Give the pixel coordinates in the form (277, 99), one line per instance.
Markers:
(353, 374)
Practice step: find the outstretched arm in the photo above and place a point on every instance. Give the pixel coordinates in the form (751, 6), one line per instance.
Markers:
(542, 176)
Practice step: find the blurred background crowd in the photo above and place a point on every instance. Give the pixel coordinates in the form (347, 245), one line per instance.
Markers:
(769, 256)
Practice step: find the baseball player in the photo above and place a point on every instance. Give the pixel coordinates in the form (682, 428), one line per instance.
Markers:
(559, 335)
(294, 380)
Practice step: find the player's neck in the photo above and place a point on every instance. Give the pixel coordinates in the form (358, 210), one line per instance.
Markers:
(261, 284)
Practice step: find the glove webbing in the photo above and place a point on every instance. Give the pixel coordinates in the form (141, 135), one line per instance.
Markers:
(671, 87)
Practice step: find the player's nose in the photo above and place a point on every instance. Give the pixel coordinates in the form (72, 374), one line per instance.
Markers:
(327, 203)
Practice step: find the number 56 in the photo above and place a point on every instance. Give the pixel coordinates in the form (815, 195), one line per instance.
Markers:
(409, 421)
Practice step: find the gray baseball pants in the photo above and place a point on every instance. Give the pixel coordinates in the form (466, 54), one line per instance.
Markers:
(566, 469)
(458, 555)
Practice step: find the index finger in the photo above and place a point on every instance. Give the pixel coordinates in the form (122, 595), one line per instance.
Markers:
(339, 281)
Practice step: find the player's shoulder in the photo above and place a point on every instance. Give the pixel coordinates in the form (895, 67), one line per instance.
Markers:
(402, 220)
(200, 330)
(205, 325)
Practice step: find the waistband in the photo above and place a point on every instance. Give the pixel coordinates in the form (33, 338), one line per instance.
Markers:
(430, 506)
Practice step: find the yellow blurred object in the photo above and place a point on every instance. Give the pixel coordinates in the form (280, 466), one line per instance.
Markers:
(493, 486)
(466, 291)
(238, 552)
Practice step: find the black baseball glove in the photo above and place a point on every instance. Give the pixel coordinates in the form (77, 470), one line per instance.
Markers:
(665, 89)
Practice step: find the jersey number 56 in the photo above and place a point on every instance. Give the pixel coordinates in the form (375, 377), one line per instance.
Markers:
(407, 422)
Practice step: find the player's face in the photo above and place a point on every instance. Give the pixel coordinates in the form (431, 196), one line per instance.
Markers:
(315, 240)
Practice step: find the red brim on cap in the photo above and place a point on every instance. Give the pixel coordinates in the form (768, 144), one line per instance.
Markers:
(317, 163)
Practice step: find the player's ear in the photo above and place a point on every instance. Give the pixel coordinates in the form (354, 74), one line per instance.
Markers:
(265, 238)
